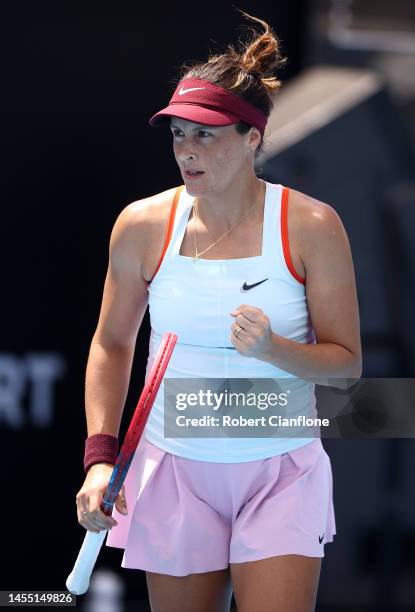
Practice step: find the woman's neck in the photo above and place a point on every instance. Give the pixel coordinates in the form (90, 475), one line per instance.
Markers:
(220, 211)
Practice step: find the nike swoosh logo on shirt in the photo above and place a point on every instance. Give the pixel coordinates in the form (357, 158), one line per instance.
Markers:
(183, 91)
(246, 287)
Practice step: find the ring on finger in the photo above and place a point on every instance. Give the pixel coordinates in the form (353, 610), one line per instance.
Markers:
(238, 331)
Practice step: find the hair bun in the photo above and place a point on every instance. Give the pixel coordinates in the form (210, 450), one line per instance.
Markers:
(255, 73)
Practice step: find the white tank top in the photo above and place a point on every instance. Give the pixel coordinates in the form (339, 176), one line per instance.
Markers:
(194, 300)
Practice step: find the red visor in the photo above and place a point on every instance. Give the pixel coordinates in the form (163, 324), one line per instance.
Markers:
(203, 102)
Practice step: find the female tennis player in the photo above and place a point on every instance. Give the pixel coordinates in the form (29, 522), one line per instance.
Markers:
(257, 280)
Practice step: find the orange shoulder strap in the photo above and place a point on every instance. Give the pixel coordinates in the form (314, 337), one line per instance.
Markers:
(284, 235)
(170, 226)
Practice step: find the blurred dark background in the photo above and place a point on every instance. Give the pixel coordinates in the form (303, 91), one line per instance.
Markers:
(79, 83)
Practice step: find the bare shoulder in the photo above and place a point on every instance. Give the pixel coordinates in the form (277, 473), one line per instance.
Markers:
(308, 213)
(140, 228)
(311, 220)
(319, 236)
(146, 213)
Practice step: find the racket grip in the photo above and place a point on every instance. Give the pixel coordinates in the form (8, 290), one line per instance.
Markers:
(78, 580)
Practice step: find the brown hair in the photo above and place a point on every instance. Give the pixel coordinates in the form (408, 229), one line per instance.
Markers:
(246, 72)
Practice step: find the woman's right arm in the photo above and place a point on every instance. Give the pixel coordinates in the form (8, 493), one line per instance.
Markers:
(124, 302)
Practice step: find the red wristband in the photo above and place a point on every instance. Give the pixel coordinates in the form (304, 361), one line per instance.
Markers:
(100, 448)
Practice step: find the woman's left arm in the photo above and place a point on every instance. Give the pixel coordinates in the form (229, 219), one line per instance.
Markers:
(332, 303)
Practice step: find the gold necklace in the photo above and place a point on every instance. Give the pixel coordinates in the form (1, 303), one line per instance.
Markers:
(197, 253)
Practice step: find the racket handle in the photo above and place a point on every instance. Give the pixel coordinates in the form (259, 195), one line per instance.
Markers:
(78, 580)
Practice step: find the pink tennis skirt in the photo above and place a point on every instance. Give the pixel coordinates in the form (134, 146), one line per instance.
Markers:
(187, 516)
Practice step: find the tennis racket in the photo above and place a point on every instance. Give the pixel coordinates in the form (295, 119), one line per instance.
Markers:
(78, 581)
